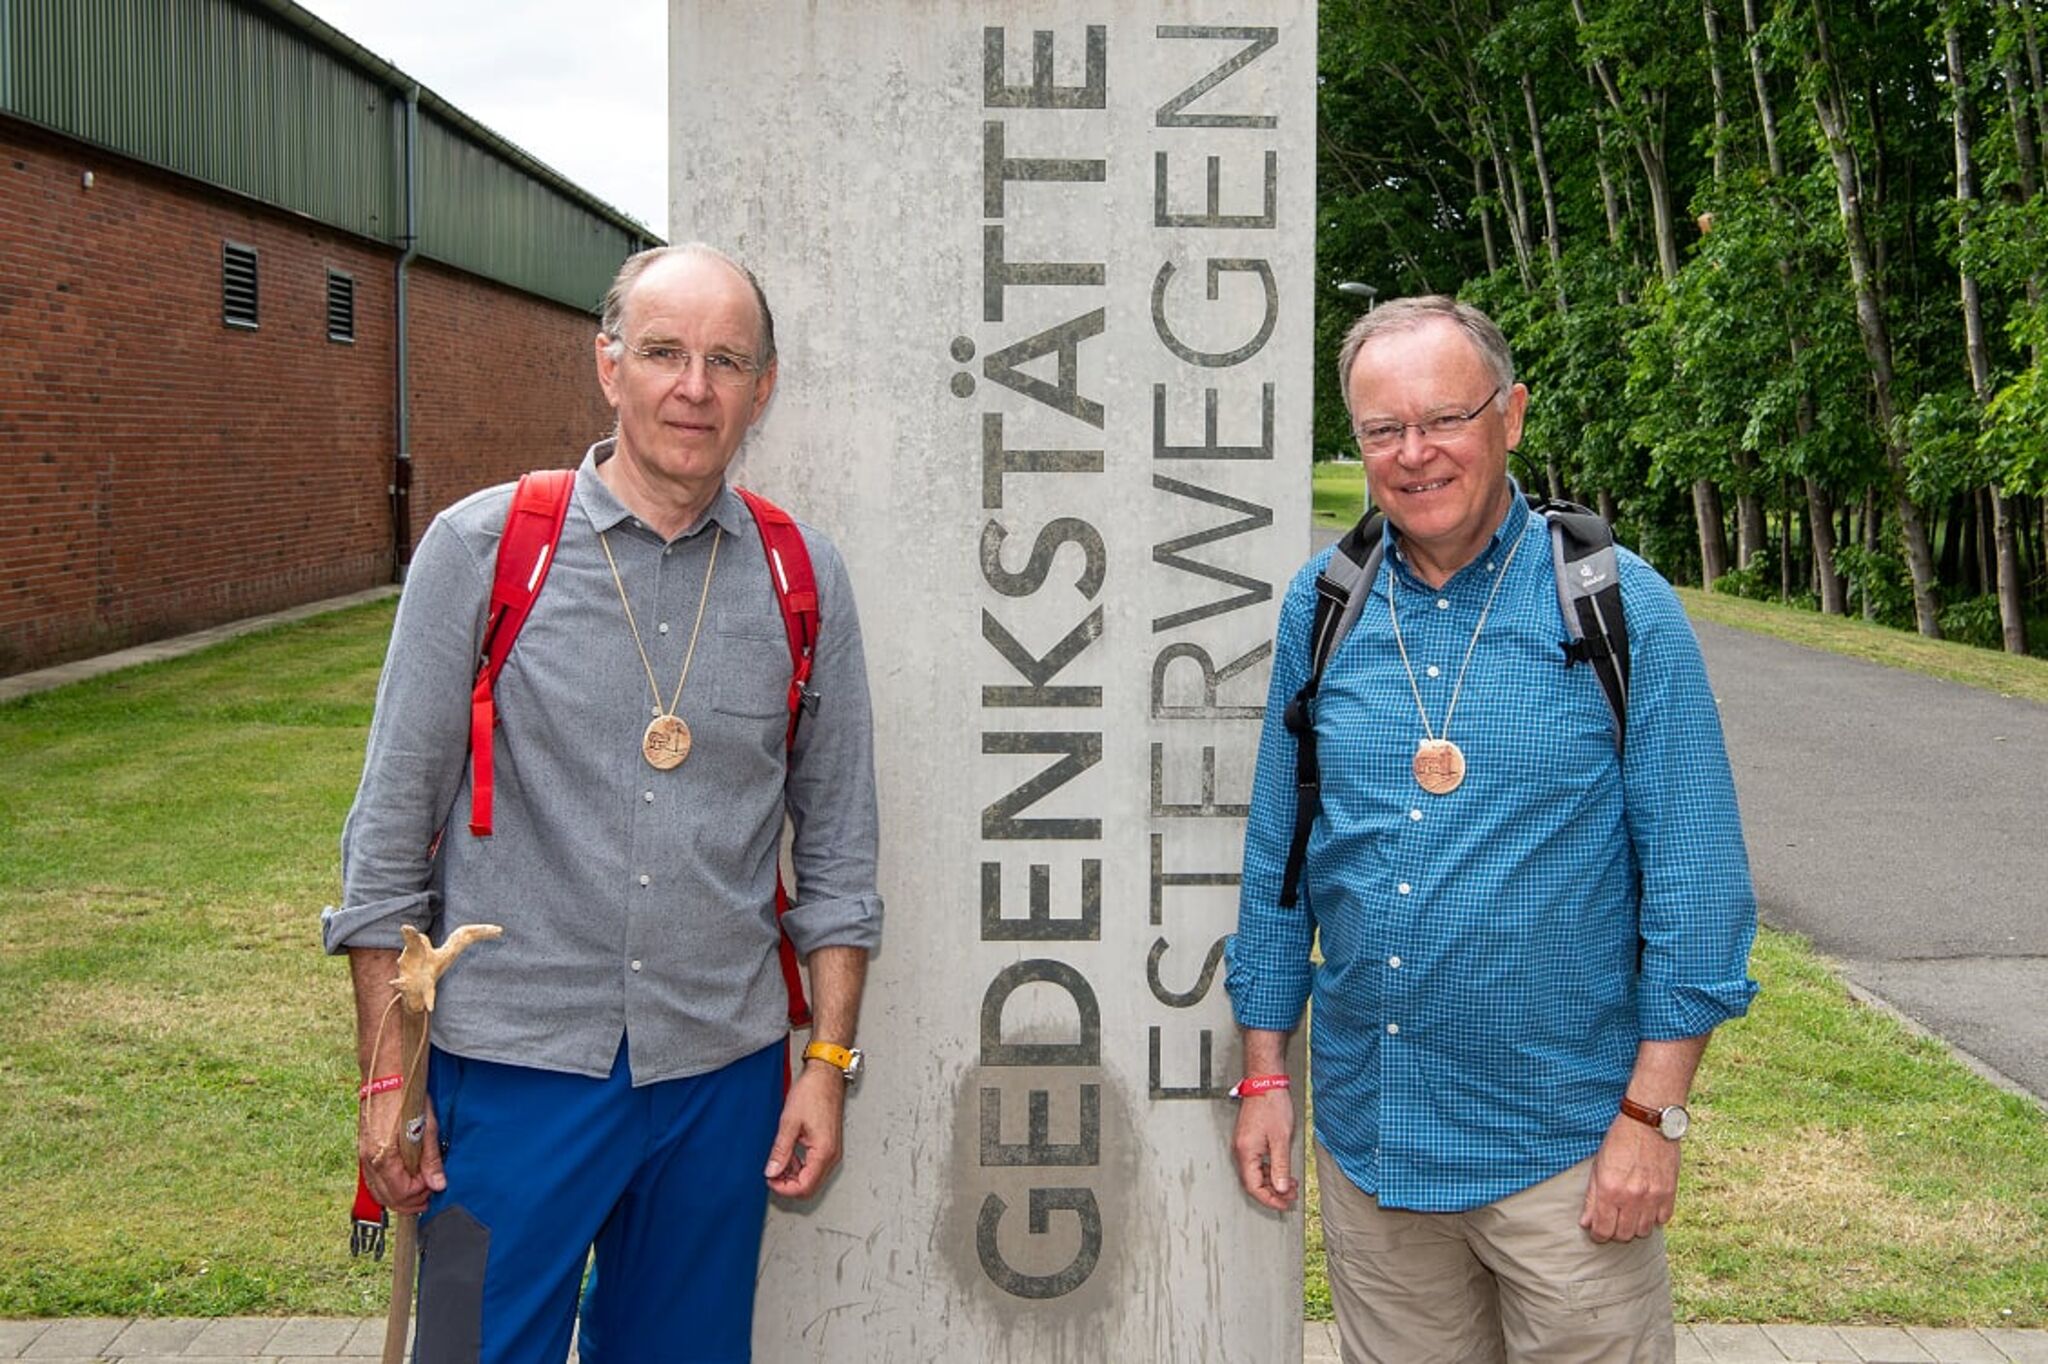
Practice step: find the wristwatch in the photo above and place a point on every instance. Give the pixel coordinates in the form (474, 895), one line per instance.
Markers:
(1672, 1120)
(849, 1060)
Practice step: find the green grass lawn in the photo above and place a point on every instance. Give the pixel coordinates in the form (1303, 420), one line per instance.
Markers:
(1336, 493)
(176, 1072)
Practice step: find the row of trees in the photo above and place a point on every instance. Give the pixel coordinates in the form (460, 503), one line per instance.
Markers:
(1773, 271)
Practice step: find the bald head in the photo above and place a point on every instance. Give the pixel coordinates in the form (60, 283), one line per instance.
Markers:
(618, 298)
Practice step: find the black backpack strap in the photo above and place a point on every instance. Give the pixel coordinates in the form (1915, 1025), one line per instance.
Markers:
(1341, 592)
(1589, 595)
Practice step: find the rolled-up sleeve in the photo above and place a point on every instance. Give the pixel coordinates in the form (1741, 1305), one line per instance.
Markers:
(830, 793)
(1269, 973)
(1698, 915)
(419, 739)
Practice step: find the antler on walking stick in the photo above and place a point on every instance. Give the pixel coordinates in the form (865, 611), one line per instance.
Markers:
(420, 965)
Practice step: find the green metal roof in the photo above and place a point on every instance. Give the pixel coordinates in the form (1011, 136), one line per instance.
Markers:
(265, 99)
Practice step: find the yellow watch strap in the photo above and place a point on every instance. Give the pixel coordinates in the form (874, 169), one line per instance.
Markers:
(829, 1053)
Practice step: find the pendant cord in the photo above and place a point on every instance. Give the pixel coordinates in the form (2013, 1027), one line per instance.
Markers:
(1393, 591)
(690, 656)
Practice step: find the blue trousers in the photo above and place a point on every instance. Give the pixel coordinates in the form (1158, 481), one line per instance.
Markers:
(663, 1182)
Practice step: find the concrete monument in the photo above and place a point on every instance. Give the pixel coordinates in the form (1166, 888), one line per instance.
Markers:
(1043, 274)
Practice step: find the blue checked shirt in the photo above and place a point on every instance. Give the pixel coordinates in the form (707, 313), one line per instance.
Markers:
(1491, 958)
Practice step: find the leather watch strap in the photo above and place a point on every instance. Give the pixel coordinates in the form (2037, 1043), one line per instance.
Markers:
(1671, 1121)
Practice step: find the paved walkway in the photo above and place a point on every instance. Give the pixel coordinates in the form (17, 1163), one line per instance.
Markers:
(24, 684)
(305, 1340)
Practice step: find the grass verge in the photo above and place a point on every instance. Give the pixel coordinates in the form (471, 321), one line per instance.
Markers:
(1844, 1171)
(2006, 674)
(175, 1066)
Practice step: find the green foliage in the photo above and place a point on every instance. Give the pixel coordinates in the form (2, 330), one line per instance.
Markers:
(1758, 581)
(1877, 577)
(1974, 621)
(1753, 363)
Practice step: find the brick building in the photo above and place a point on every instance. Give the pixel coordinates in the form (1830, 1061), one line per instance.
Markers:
(226, 231)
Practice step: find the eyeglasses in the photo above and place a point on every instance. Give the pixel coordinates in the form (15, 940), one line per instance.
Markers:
(1378, 438)
(722, 368)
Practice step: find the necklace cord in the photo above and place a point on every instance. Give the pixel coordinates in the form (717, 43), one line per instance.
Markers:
(1458, 687)
(703, 596)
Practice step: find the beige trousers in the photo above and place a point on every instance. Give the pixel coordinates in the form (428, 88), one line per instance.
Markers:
(1514, 1282)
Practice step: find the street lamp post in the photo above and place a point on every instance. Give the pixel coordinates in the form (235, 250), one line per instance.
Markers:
(1358, 290)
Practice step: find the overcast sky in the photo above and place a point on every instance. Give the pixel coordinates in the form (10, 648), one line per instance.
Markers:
(583, 87)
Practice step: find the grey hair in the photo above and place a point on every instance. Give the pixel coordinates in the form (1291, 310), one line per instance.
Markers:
(611, 313)
(1407, 314)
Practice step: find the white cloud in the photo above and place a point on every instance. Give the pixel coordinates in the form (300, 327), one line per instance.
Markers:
(584, 88)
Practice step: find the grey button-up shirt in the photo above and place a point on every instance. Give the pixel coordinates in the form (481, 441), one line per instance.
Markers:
(634, 901)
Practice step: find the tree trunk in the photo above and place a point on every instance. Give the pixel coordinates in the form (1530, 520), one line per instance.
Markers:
(1606, 506)
(1820, 517)
(1784, 545)
(1706, 510)
(1832, 113)
(1766, 114)
(1485, 218)
(2019, 95)
(2012, 611)
(1713, 24)
(1552, 239)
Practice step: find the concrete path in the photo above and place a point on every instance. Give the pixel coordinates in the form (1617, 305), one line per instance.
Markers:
(24, 684)
(1901, 823)
(305, 1340)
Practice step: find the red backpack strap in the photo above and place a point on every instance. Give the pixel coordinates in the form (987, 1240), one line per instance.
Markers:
(526, 551)
(796, 593)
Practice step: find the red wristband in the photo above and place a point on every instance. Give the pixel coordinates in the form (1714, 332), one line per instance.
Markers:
(1253, 1085)
(383, 1084)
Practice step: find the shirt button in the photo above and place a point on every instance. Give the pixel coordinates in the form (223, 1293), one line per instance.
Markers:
(1415, 814)
(647, 796)
(644, 880)
(1443, 603)
(636, 963)
(662, 628)
(668, 551)
(1394, 962)
(1393, 1029)
(1404, 888)
(1435, 671)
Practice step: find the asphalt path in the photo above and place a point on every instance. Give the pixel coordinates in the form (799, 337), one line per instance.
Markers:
(1900, 822)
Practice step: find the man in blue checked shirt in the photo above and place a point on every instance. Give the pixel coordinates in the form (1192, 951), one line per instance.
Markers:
(1526, 936)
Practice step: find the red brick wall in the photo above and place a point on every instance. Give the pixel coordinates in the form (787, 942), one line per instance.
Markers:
(501, 383)
(163, 471)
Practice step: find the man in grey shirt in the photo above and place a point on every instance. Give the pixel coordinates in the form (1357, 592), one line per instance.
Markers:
(611, 1073)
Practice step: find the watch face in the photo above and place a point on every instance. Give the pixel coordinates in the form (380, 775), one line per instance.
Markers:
(1673, 1122)
(855, 1063)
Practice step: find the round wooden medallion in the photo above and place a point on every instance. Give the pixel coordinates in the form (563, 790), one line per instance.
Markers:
(667, 742)
(1439, 766)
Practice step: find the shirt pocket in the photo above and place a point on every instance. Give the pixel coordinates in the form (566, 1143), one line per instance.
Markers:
(753, 671)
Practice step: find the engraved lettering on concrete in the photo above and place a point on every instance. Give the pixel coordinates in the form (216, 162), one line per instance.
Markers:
(1038, 923)
(1218, 359)
(1258, 42)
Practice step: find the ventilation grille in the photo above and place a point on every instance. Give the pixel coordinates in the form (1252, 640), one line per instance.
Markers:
(238, 285)
(341, 307)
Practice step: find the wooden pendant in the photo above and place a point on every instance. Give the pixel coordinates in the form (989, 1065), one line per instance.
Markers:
(667, 742)
(1439, 766)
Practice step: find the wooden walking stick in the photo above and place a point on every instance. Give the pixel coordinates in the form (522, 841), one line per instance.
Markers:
(420, 965)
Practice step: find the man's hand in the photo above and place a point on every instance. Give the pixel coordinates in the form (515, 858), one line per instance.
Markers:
(1264, 1138)
(377, 1146)
(1634, 1186)
(808, 1140)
